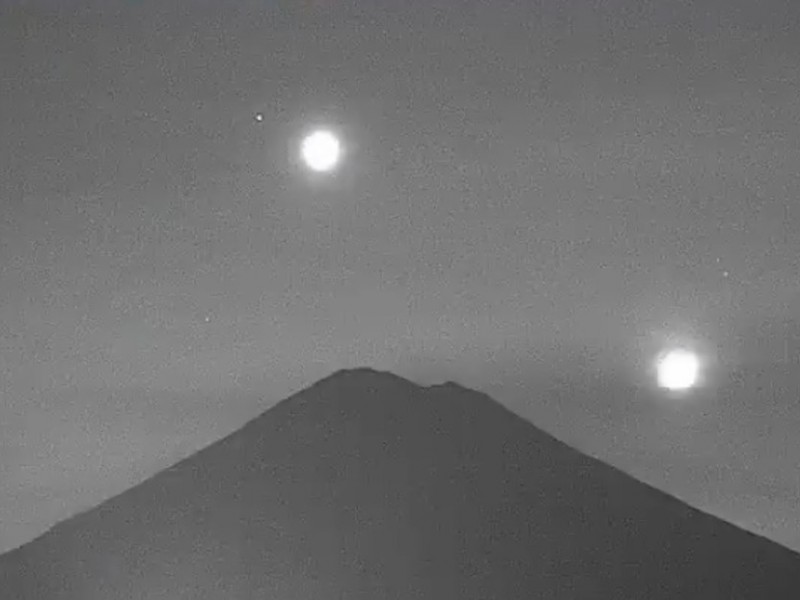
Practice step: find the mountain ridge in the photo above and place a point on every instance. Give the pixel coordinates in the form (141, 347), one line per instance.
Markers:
(364, 455)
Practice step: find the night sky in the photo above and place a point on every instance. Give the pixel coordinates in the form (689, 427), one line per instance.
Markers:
(535, 197)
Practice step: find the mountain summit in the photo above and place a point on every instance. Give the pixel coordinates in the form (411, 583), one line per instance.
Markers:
(367, 486)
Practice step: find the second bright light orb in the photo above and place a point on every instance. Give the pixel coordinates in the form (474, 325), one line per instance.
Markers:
(678, 370)
(321, 151)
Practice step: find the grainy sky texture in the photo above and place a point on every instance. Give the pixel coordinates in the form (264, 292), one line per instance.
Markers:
(535, 197)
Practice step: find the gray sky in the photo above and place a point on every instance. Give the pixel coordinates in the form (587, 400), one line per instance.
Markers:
(528, 185)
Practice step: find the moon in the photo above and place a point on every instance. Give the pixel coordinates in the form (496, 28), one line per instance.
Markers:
(321, 151)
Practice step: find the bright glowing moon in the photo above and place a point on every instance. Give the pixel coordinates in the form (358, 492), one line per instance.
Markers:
(321, 151)
(678, 370)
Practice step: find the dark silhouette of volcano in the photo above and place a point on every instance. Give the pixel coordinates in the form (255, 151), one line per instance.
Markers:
(367, 486)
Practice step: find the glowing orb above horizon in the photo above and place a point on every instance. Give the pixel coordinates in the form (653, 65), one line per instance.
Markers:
(678, 370)
(321, 151)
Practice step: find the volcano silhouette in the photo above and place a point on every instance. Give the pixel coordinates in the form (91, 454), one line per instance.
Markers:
(367, 486)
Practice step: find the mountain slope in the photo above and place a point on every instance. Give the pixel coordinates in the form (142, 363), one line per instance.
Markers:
(367, 486)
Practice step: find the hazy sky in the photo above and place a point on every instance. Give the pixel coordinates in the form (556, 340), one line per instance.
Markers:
(528, 184)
